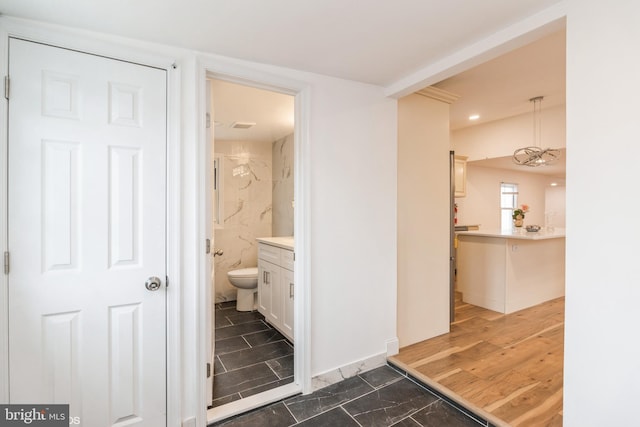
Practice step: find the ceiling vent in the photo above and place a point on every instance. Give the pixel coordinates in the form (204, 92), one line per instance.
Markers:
(242, 125)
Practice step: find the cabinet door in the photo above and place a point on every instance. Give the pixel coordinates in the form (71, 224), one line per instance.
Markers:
(264, 287)
(460, 183)
(270, 292)
(288, 294)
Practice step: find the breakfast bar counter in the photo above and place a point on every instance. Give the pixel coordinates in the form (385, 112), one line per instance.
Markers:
(506, 271)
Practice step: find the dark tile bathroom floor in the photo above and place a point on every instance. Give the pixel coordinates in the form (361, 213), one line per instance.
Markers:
(250, 356)
(378, 398)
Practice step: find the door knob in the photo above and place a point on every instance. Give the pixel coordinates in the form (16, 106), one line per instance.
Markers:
(153, 283)
(218, 252)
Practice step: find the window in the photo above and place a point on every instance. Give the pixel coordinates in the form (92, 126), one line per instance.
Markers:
(508, 202)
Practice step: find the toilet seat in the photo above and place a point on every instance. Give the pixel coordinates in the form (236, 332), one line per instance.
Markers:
(244, 272)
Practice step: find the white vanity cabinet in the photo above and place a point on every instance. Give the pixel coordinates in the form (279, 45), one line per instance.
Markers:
(276, 286)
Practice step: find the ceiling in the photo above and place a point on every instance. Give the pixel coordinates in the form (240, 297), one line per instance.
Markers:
(502, 87)
(495, 90)
(374, 42)
(272, 113)
(377, 42)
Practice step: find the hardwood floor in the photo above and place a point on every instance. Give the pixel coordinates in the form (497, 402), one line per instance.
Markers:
(506, 367)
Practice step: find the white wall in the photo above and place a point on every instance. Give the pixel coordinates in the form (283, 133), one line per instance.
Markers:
(423, 218)
(353, 217)
(601, 370)
(502, 137)
(482, 203)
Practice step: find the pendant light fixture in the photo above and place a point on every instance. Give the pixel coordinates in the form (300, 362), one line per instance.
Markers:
(535, 155)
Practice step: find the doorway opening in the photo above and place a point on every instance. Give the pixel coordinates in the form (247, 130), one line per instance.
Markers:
(251, 139)
(486, 358)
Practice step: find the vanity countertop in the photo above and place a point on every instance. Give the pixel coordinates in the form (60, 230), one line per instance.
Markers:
(517, 234)
(281, 242)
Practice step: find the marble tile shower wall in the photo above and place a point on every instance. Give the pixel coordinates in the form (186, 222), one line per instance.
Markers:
(247, 183)
(283, 186)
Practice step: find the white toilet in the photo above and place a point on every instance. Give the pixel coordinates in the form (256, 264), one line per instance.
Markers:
(246, 280)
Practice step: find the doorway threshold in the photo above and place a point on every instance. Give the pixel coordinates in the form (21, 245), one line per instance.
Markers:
(456, 400)
(252, 402)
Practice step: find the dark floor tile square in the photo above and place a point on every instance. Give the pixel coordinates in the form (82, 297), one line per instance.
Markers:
(334, 418)
(282, 366)
(229, 345)
(381, 376)
(390, 404)
(250, 356)
(264, 337)
(306, 406)
(244, 317)
(242, 379)
(275, 415)
(265, 387)
(441, 413)
(241, 329)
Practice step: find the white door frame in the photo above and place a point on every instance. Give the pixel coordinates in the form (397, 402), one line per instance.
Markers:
(231, 71)
(89, 43)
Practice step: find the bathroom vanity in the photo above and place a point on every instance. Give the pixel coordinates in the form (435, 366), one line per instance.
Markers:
(507, 271)
(276, 287)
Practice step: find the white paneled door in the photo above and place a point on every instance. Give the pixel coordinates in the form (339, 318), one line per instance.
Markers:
(87, 167)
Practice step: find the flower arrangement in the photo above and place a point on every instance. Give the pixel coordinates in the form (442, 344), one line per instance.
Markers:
(519, 213)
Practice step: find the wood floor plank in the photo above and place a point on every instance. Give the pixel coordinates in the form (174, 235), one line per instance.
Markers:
(508, 366)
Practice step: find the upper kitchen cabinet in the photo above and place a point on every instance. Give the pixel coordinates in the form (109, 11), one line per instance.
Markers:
(460, 176)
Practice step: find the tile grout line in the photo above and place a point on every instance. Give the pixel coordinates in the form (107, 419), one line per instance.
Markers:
(350, 416)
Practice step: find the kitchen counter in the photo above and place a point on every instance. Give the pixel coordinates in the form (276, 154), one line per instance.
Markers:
(510, 271)
(280, 242)
(517, 234)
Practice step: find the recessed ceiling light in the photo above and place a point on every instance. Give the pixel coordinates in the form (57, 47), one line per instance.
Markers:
(554, 184)
(474, 117)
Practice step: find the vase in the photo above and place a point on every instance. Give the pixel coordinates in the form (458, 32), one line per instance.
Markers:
(518, 221)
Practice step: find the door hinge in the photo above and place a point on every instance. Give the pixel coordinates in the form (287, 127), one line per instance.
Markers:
(208, 370)
(7, 83)
(6, 263)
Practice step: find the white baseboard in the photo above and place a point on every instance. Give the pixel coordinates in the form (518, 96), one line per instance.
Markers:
(348, 371)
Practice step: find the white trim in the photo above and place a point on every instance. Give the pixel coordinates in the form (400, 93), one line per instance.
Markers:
(512, 37)
(349, 370)
(203, 278)
(141, 53)
(174, 249)
(4, 290)
(238, 73)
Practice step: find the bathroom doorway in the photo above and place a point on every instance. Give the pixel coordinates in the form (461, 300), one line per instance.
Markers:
(251, 137)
